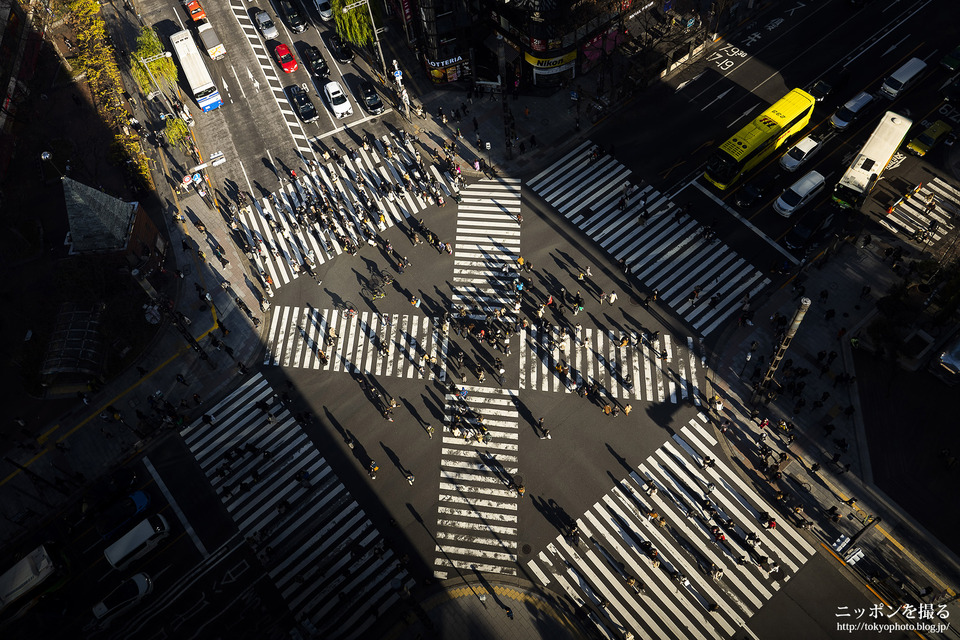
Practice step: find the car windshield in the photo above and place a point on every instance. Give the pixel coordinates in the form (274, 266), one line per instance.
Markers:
(337, 98)
(266, 22)
(925, 140)
(790, 198)
(797, 153)
(894, 84)
(844, 115)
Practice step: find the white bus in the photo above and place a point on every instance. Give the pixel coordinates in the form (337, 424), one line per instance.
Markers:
(204, 91)
(863, 174)
(37, 573)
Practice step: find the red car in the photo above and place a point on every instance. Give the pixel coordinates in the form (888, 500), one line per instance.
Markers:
(284, 58)
(196, 11)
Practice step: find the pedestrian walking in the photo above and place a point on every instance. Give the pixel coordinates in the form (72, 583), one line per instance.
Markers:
(865, 291)
(613, 297)
(821, 355)
(832, 356)
(828, 316)
(181, 379)
(197, 399)
(823, 296)
(476, 126)
(410, 478)
(207, 419)
(141, 371)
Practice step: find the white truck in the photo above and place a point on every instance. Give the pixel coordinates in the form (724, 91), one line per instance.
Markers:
(211, 42)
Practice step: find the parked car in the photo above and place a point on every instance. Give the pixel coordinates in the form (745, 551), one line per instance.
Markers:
(951, 61)
(128, 594)
(339, 103)
(927, 140)
(314, 61)
(284, 58)
(371, 99)
(196, 11)
(294, 16)
(341, 51)
(266, 25)
(799, 153)
(325, 10)
(113, 518)
(301, 103)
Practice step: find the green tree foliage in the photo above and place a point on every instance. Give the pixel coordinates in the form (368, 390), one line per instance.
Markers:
(96, 59)
(163, 69)
(177, 132)
(354, 25)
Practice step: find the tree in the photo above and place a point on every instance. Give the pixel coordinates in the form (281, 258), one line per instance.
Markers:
(162, 68)
(354, 24)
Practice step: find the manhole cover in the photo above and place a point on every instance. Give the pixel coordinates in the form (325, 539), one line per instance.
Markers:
(525, 549)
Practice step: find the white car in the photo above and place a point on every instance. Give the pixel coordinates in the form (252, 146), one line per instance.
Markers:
(325, 10)
(799, 153)
(266, 26)
(339, 103)
(129, 593)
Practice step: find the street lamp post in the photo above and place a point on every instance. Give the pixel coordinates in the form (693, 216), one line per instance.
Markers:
(376, 33)
(746, 362)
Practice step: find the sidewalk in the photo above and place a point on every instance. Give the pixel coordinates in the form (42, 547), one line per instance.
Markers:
(481, 609)
(839, 498)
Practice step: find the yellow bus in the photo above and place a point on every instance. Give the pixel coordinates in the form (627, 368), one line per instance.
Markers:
(753, 143)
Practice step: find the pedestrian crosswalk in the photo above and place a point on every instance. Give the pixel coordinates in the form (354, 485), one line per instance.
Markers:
(677, 592)
(627, 366)
(664, 248)
(928, 215)
(479, 472)
(488, 246)
(327, 560)
(337, 207)
(381, 344)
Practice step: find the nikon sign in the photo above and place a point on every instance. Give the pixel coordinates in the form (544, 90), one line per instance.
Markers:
(550, 63)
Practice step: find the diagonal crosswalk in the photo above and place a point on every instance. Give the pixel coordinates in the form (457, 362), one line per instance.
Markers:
(680, 598)
(916, 218)
(488, 246)
(381, 344)
(327, 560)
(478, 505)
(337, 207)
(627, 366)
(664, 248)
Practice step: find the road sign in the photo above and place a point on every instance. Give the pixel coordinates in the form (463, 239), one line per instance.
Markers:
(186, 180)
(197, 178)
(574, 95)
(398, 75)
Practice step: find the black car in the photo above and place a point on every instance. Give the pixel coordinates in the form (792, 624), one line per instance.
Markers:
(316, 65)
(300, 100)
(828, 84)
(293, 15)
(808, 231)
(369, 97)
(341, 50)
(751, 193)
(951, 90)
(114, 517)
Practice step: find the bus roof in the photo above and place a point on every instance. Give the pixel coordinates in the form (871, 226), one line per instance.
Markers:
(768, 123)
(29, 572)
(876, 154)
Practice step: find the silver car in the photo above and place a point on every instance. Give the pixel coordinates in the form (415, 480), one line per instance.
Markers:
(266, 26)
(129, 593)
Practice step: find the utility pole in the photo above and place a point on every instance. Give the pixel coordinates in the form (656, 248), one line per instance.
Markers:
(376, 34)
(781, 350)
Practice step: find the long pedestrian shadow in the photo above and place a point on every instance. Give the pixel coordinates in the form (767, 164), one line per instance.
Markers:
(553, 513)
